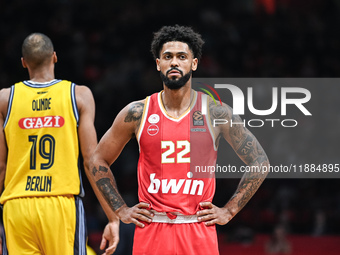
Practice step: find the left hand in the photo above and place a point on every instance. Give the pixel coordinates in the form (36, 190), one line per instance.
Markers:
(212, 214)
(110, 235)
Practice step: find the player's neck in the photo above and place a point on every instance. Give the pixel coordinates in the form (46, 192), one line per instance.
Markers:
(176, 102)
(42, 74)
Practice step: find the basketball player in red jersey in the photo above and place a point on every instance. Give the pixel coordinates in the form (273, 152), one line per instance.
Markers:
(175, 214)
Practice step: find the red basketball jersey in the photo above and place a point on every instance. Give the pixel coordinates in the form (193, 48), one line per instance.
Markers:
(173, 154)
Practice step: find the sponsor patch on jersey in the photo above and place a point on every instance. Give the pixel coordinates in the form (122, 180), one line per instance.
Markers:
(198, 118)
(41, 122)
(174, 186)
(198, 130)
(153, 130)
(153, 119)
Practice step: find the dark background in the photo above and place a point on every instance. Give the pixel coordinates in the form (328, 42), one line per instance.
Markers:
(106, 46)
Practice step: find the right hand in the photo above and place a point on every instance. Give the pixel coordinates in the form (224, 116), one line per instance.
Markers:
(111, 237)
(135, 214)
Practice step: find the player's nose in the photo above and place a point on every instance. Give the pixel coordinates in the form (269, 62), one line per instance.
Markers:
(174, 62)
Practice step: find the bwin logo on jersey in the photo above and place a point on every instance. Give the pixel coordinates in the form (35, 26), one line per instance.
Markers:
(192, 187)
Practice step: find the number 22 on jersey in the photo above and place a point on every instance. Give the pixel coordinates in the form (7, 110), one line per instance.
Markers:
(170, 147)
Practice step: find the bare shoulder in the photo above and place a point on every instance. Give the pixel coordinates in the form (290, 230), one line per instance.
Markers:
(224, 121)
(4, 98)
(4, 94)
(130, 116)
(220, 114)
(83, 91)
(218, 111)
(84, 97)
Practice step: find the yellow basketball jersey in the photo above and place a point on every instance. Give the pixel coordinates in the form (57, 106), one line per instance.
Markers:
(42, 140)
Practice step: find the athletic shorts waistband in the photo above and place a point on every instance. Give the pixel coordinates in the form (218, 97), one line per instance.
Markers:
(173, 218)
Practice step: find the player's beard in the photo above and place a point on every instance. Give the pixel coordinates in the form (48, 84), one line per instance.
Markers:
(173, 83)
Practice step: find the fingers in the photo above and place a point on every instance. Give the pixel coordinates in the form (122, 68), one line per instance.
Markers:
(206, 205)
(138, 223)
(110, 236)
(145, 212)
(143, 218)
(102, 243)
(210, 215)
(206, 217)
(136, 214)
(110, 249)
(142, 214)
(114, 244)
(204, 212)
(211, 222)
(210, 209)
(142, 204)
(209, 219)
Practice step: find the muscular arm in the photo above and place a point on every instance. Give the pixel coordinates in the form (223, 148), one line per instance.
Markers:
(88, 142)
(109, 148)
(4, 97)
(250, 152)
(88, 138)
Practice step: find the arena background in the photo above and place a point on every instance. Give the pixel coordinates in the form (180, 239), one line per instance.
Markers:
(106, 46)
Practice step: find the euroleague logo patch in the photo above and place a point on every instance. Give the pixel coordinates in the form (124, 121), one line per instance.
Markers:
(153, 130)
(41, 122)
(198, 118)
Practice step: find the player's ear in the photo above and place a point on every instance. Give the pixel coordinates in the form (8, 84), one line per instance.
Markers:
(23, 62)
(157, 63)
(194, 64)
(55, 58)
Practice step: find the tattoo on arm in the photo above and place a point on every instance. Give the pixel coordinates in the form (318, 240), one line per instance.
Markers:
(101, 169)
(110, 193)
(250, 184)
(237, 133)
(250, 151)
(94, 171)
(246, 145)
(135, 112)
(247, 148)
(218, 111)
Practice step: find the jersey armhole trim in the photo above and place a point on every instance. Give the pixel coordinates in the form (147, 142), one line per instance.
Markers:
(211, 130)
(142, 123)
(74, 103)
(9, 107)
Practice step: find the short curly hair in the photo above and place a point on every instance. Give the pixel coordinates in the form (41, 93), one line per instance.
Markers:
(177, 33)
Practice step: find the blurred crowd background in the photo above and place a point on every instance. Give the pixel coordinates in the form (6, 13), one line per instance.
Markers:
(106, 46)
